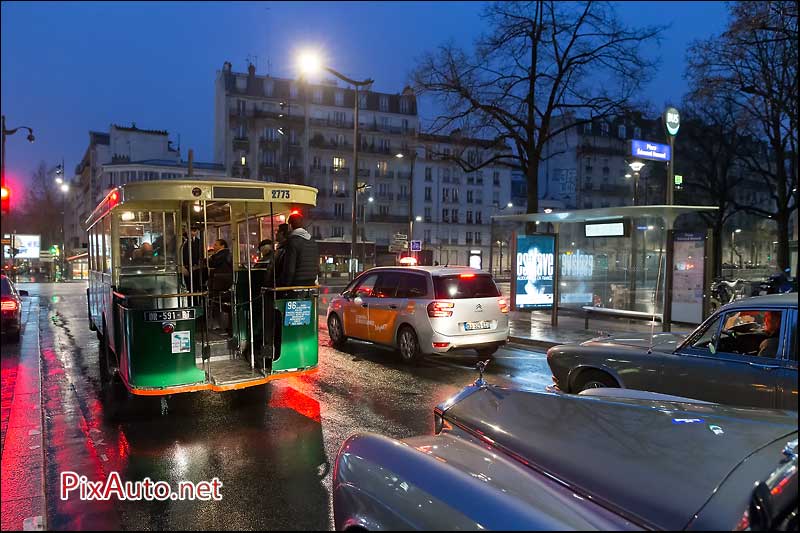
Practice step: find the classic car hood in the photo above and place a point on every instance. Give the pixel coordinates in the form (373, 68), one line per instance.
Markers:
(657, 461)
(662, 342)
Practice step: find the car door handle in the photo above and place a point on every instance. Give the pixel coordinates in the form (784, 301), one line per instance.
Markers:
(766, 367)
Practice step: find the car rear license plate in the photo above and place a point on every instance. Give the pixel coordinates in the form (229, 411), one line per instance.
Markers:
(483, 324)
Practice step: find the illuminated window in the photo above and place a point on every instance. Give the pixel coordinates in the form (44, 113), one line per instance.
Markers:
(338, 163)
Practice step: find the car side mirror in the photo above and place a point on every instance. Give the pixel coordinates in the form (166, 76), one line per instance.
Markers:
(346, 295)
(23, 292)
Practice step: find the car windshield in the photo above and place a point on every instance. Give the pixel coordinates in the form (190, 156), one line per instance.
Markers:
(462, 286)
(6, 286)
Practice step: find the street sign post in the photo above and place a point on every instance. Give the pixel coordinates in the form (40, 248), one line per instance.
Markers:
(416, 246)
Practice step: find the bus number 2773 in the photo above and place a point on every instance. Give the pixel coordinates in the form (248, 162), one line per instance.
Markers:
(281, 193)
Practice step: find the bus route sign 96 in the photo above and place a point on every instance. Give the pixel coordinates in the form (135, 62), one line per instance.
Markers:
(298, 313)
(174, 314)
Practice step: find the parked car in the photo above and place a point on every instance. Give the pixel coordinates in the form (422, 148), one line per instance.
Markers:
(421, 310)
(744, 354)
(11, 309)
(506, 459)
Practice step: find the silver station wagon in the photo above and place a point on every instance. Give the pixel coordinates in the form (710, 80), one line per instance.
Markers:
(744, 354)
(421, 310)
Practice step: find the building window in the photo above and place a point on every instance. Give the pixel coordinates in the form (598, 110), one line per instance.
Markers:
(405, 125)
(496, 178)
(268, 158)
(339, 97)
(478, 217)
(469, 237)
(382, 167)
(385, 123)
(470, 196)
(604, 128)
(317, 96)
(404, 104)
(428, 216)
(637, 133)
(454, 216)
(338, 210)
(362, 100)
(241, 131)
(269, 87)
(445, 215)
(587, 128)
(337, 231)
(496, 198)
(621, 131)
(445, 195)
(339, 188)
(428, 174)
(241, 83)
(427, 236)
(339, 117)
(403, 191)
(469, 217)
(241, 107)
(384, 103)
(383, 210)
(340, 139)
(292, 90)
(478, 237)
(428, 193)
(479, 178)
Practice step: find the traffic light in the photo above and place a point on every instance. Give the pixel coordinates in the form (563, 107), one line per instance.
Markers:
(5, 193)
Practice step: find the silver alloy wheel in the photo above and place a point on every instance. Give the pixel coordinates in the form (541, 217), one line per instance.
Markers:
(408, 345)
(335, 329)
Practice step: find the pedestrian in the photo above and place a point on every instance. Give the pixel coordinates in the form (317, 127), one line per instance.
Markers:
(266, 253)
(192, 262)
(301, 259)
(220, 259)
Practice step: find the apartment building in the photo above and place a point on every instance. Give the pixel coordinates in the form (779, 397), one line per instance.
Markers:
(123, 154)
(285, 130)
(456, 206)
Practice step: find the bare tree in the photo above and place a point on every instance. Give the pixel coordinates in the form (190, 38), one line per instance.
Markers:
(540, 61)
(753, 65)
(710, 144)
(43, 206)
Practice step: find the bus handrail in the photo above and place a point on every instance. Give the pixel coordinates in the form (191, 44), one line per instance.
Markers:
(294, 288)
(176, 295)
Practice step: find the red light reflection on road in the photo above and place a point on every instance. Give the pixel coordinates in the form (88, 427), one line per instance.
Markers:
(296, 401)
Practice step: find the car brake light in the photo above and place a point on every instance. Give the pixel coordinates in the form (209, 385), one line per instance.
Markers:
(441, 344)
(440, 309)
(466, 276)
(503, 305)
(9, 305)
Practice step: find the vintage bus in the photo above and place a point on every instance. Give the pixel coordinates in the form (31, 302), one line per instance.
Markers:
(167, 321)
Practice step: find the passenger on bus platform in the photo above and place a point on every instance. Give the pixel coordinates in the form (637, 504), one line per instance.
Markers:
(265, 254)
(220, 259)
(301, 259)
(196, 260)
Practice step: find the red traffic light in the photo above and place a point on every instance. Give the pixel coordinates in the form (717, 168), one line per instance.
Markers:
(5, 196)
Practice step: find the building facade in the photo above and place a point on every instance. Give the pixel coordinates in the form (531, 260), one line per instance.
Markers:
(122, 155)
(455, 206)
(284, 130)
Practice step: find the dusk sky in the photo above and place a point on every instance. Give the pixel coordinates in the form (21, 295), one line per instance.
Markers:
(68, 67)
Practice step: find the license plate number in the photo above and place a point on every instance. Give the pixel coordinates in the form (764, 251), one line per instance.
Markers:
(177, 314)
(483, 324)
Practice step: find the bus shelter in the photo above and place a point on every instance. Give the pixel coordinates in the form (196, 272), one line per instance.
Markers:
(627, 262)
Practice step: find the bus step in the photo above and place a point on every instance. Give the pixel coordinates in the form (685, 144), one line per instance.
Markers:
(233, 371)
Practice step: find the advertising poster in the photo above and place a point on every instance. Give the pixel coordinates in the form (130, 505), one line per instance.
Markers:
(534, 272)
(28, 246)
(687, 278)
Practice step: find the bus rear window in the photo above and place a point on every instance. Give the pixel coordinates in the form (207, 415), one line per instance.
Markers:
(457, 287)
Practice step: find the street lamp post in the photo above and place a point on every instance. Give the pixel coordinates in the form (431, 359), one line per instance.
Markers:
(5, 133)
(63, 257)
(733, 246)
(636, 167)
(310, 63)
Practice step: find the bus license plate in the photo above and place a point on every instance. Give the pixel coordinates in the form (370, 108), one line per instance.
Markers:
(177, 314)
(483, 324)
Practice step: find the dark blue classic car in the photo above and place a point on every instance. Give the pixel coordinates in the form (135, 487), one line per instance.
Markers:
(607, 459)
(744, 354)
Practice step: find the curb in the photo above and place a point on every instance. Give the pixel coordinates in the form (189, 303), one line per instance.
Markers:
(534, 343)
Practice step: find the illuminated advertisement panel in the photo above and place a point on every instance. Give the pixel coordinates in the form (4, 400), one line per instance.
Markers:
(28, 246)
(534, 271)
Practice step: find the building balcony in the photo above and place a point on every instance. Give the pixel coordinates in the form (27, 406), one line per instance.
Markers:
(241, 143)
(325, 123)
(397, 219)
(404, 175)
(329, 145)
(363, 172)
(389, 174)
(341, 171)
(269, 143)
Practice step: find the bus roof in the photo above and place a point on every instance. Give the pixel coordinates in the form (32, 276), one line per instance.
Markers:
(283, 196)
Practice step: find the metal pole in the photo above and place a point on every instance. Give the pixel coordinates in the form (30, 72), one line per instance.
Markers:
(554, 315)
(3, 163)
(667, 311)
(249, 290)
(352, 268)
(491, 244)
(671, 171)
(411, 202)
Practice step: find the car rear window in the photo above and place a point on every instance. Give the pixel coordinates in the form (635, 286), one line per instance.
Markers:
(6, 287)
(458, 287)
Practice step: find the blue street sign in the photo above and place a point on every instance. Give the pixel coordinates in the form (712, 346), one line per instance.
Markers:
(416, 246)
(650, 150)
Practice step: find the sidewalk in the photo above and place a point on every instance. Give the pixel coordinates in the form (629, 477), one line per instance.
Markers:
(534, 329)
(21, 444)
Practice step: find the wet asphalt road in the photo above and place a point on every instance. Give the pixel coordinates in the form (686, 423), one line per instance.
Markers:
(272, 450)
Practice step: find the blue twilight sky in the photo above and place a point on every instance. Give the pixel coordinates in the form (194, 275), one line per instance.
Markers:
(68, 67)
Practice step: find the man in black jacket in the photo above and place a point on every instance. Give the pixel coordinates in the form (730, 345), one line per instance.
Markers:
(300, 263)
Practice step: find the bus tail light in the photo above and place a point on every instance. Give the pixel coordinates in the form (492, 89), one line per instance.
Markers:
(440, 309)
(168, 327)
(503, 303)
